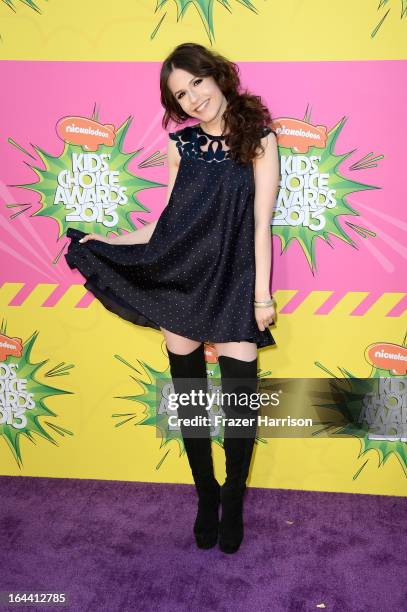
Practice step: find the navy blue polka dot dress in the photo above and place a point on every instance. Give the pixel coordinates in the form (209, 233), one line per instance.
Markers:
(196, 275)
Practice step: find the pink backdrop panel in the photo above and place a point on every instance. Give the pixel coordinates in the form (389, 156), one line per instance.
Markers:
(371, 95)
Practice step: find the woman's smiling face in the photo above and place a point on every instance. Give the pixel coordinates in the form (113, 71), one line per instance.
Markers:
(198, 97)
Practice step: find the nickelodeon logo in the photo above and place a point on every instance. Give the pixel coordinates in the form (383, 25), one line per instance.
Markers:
(298, 135)
(10, 346)
(387, 356)
(85, 132)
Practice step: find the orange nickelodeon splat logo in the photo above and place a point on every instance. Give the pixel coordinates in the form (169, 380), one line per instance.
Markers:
(85, 132)
(298, 135)
(387, 356)
(10, 346)
(211, 355)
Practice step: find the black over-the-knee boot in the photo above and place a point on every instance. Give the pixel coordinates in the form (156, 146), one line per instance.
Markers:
(188, 373)
(239, 377)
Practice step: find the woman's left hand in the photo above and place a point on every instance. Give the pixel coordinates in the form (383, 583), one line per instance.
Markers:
(265, 316)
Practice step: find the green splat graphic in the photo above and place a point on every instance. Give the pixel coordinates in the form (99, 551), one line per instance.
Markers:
(353, 389)
(61, 203)
(154, 403)
(205, 10)
(384, 3)
(11, 5)
(324, 221)
(18, 419)
(32, 5)
(155, 407)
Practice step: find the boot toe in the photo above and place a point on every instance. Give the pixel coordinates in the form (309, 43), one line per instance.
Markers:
(206, 539)
(229, 548)
(230, 540)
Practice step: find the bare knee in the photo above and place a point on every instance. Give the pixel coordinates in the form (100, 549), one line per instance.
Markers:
(247, 351)
(179, 344)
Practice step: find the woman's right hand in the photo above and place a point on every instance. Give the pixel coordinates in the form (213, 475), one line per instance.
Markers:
(96, 237)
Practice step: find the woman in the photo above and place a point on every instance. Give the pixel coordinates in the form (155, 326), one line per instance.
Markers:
(201, 272)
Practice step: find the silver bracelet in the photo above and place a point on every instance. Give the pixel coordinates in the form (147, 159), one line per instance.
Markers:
(264, 304)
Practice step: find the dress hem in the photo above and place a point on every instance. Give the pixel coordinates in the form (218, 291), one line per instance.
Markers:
(125, 311)
(77, 258)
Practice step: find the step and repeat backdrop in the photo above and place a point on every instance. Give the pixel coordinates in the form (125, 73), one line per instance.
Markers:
(78, 385)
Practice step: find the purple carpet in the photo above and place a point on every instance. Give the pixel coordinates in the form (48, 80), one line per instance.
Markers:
(118, 546)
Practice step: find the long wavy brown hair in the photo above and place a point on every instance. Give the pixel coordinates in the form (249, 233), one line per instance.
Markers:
(245, 113)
